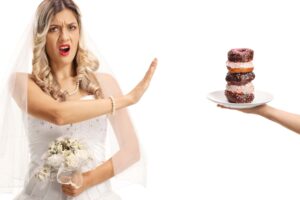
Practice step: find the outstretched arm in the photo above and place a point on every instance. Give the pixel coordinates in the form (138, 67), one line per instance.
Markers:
(286, 119)
(43, 106)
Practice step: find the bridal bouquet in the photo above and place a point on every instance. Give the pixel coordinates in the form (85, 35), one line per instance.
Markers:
(65, 155)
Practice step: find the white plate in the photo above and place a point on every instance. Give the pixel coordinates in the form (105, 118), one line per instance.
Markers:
(259, 99)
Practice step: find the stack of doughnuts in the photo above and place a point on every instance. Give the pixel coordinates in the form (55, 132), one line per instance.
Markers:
(239, 88)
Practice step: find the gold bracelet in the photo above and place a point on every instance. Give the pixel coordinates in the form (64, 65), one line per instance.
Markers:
(113, 105)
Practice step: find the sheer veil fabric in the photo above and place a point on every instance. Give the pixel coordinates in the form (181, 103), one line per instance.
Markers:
(14, 147)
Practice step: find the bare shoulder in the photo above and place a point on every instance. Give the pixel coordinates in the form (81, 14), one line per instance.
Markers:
(19, 79)
(21, 83)
(24, 82)
(20, 76)
(105, 77)
(109, 84)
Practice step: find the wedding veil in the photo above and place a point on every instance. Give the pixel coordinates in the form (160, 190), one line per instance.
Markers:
(14, 151)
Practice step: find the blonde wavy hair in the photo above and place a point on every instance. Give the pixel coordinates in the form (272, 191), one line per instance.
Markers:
(84, 62)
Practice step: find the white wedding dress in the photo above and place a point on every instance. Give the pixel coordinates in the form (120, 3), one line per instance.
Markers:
(41, 133)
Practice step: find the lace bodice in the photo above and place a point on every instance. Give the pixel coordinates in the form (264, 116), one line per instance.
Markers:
(92, 131)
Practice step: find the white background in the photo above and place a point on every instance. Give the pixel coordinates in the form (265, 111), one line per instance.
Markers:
(196, 150)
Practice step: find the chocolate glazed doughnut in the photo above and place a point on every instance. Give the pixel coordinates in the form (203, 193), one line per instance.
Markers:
(240, 55)
(240, 78)
(233, 97)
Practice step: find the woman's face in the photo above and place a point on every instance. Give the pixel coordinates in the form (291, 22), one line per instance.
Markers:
(62, 38)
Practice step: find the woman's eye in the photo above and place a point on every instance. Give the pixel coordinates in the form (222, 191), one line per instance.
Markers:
(73, 27)
(53, 29)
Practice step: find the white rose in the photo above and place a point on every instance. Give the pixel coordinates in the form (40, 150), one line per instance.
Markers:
(59, 148)
(43, 174)
(55, 160)
(72, 161)
(73, 140)
(67, 153)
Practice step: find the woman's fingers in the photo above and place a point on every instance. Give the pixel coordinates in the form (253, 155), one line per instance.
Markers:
(254, 110)
(70, 190)
(68, 186)
(151, 70)
(150, 73)
(142, 86)
(221, 106)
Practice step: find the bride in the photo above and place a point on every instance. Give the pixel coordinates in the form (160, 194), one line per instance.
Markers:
(64, 95)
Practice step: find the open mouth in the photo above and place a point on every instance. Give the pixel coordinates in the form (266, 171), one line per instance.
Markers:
(64, 50)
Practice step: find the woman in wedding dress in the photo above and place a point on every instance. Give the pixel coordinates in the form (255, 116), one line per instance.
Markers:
(65, 96)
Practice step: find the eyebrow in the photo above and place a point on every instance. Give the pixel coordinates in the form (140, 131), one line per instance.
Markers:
(72, 23)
